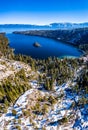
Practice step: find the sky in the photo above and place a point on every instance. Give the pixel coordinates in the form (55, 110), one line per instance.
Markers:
(43, 12)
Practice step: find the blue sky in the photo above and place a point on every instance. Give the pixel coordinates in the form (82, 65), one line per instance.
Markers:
(43, 11)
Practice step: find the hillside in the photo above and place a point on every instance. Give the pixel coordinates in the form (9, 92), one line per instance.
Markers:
(46, 105)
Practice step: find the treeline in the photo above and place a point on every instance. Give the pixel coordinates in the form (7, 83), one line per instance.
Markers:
(57, 71)
(81, 88)
(84, 47)
(82, 82)
(52, 69)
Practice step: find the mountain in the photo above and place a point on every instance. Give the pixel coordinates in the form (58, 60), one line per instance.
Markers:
(19, 27)
(69, 25)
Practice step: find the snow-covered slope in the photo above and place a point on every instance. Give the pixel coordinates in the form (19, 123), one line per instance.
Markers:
(60, 116)
(39, 109)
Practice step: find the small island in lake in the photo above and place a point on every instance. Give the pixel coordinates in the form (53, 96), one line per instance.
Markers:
(36, 44)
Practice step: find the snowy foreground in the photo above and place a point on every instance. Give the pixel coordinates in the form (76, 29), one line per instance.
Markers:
(59, 116)
(78, 117)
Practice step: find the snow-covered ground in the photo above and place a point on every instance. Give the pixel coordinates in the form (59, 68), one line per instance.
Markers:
(77, 117)
(51, 121)
(9, 67)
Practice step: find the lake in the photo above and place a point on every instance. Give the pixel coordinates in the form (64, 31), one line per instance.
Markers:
(23, 44)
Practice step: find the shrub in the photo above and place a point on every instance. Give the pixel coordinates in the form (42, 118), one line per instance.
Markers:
(26, 113)
(64, 120)
(19, 121)
(14, 112)
(18, 127)
(52, 100)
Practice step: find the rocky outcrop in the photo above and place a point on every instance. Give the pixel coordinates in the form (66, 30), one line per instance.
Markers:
(36, 44)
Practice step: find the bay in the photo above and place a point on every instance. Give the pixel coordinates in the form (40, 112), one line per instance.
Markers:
(23, 44)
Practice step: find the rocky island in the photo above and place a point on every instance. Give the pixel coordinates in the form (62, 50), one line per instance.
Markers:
(36, 44)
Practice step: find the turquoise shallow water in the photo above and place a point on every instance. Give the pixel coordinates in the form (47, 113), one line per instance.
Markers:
(24, 44)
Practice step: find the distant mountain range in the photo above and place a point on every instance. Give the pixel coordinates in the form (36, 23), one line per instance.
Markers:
(69, 25)
(50, 26)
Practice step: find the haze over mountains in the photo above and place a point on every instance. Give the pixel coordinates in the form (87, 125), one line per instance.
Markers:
(66, 25)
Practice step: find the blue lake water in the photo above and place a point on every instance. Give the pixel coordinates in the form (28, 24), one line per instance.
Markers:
(23, 44)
